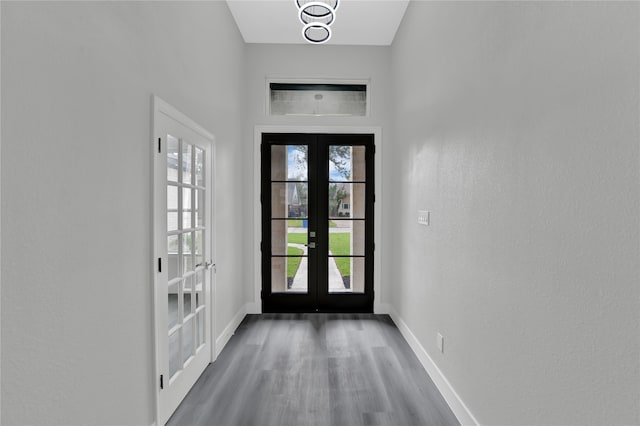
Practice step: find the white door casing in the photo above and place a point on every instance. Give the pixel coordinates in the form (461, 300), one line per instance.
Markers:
(183, 254)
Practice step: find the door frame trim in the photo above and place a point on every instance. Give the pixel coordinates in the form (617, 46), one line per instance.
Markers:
(376, 131)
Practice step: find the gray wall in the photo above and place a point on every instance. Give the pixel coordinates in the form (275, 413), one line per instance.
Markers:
(517, 127)
(77, 80)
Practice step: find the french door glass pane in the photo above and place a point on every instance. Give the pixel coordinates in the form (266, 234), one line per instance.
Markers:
(199, 166)
(339, 274)
(187, 162)
(346, 200)
(173, 148)
(289, 162)
(297, 275)
(346, 237)
(174, 354)
(173, 255)
(357, 274)
(187, 252)
(289, 274)
(186, 295)
(199, 288)
(346, 163)
(172, 221)
(346, 274)
(199, 248)
(289, 200)
(172, 197)
(173, 306)
(186, 208)
(172, 208)
(287, 234)
(199, 208)
(187, 339)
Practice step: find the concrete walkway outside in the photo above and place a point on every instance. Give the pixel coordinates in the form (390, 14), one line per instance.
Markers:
(300, 283)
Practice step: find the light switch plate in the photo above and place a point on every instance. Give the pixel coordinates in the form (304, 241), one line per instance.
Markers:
(440, 341)
(424, 217)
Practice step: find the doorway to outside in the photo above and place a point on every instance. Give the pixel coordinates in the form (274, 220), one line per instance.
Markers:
(317, 193)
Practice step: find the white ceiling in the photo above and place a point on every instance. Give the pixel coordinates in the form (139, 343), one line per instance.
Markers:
(357, 22)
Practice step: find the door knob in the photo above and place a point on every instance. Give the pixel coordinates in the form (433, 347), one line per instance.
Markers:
(311, 245)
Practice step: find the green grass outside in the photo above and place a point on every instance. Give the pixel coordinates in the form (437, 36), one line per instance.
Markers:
(339, 244)
(298, 238)
(297, 223)
(293, 263)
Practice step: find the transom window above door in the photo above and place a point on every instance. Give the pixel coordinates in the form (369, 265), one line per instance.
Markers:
(336, 99)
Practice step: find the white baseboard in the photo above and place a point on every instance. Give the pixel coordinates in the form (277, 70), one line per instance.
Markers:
(459, 408)
(230, 329)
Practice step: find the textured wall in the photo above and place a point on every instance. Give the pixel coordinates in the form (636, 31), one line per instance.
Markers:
(77, 80)
(517, 127)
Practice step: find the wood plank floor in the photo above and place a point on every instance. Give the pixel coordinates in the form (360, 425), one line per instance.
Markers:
(315, 369)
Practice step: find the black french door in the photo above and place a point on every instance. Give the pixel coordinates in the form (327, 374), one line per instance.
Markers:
(317, 222)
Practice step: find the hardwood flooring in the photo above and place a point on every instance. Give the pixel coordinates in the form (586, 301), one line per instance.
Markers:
(316, 370)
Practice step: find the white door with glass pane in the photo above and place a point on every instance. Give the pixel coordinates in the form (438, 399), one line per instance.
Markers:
(183, 254)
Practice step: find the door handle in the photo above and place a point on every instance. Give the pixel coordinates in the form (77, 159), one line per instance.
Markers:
(311, 245)
(210, 265)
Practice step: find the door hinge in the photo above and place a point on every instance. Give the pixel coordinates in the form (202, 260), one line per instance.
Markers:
(161, 381)
(159, 145)
(159, 264)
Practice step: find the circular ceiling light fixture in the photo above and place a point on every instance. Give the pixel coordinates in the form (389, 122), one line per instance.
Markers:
(317, 16)
(316, 33)
(317, 12)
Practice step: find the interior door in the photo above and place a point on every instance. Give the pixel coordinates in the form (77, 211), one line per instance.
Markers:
(183, 261)
(317, 222)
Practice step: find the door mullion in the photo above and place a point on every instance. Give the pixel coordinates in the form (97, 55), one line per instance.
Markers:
(314, 224)
(322, 217)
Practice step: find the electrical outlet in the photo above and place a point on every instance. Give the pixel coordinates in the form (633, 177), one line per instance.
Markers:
(424, 217)
(440, 341)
